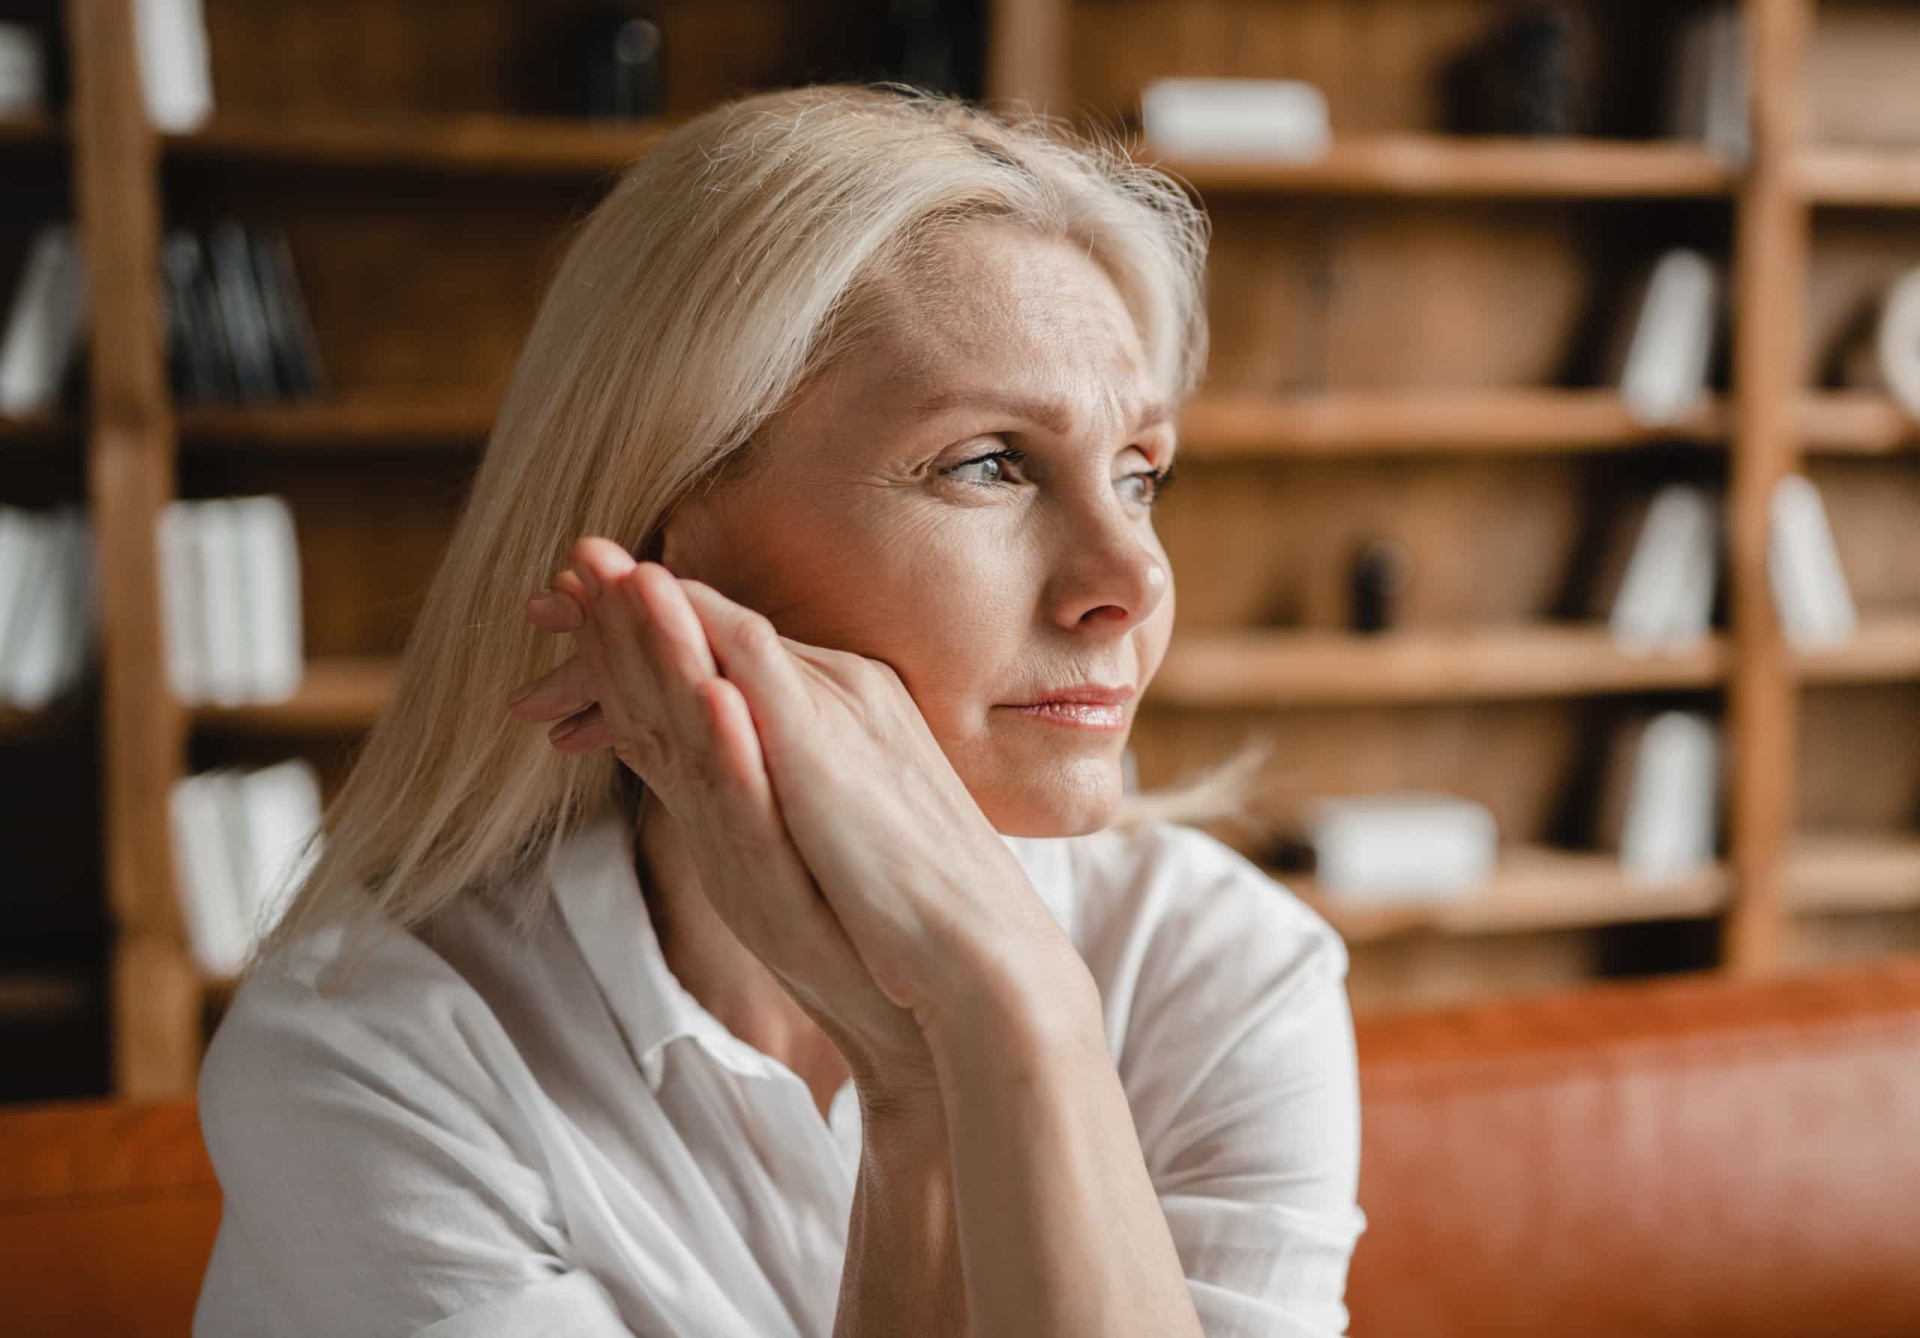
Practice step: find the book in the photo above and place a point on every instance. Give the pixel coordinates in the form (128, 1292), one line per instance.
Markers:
(1809, 585)
(243, 312)
(1281, 120)
(301, 372)
(213, 898)
(44, 324)
(48, 632)
(1659, 808)
(1401, 846)
(176, 81)
(1707, 82)
(1665, 601)
(230, 599)
(1663, 374)
(243, 840)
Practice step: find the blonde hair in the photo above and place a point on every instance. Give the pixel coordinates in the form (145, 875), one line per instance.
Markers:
(721, 272)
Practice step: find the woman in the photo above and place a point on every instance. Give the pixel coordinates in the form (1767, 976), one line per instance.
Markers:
(812, 971)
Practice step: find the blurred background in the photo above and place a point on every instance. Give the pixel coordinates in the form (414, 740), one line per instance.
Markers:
(1551, 504)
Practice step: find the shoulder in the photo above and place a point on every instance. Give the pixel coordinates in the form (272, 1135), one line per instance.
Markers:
(400, 1031)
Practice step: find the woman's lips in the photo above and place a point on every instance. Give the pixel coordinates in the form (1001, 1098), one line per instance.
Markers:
(1075, 715)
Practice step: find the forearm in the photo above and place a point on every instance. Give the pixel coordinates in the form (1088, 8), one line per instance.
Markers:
(903, 1252)
(1060, 1228)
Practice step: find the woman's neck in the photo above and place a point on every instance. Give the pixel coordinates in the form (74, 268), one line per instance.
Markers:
(712, 965)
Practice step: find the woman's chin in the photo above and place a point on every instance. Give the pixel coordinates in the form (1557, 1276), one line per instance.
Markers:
(1075, 798)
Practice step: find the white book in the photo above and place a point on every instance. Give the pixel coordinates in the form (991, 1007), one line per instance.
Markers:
(1402, 846)
(1671, 822)
(1803, 566)
(217, 569)
(44, 325)
(35, 614)
(39, 664)
(19, 533)
(181, 608)
(1665, 373)
(270, 597)
(202, 820)
(1283, 120)
(282, 807)
(1897, 341)
(1666, 598)
(175, 75)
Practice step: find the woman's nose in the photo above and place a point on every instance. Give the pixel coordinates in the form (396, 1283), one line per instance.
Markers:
(1109, 573)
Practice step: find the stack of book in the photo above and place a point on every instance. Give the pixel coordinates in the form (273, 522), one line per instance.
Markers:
(44, 324)
(237, 324)
(46, 603)
(243, 840)
(230, 600)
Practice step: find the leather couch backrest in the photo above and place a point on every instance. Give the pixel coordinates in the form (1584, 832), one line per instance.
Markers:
(1692, 1156)
(1680, 1157)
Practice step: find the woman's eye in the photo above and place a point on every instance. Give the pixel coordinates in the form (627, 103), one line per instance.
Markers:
(994, 462)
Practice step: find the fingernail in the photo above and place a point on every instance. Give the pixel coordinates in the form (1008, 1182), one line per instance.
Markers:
(550, 604)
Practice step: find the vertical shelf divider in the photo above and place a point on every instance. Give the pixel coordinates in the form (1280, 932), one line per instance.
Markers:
(1769, 284)
(156, 991)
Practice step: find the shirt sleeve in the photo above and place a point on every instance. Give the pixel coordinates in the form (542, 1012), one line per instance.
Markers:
(371, 1182)
(1249, 1104)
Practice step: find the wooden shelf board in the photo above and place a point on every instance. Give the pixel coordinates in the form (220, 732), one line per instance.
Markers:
(1884, 649)
(1856, 422)
(1852, 871)
(1533, 888)
(336, 693)
(40, 432)
(43, 995)
(1469, 165)
(1883, 177)
(1258, 668)
(32, 131)
(360, 421)
(1215, 425)
(470, 141)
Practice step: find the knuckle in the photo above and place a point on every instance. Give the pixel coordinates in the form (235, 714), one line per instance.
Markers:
(758, 635)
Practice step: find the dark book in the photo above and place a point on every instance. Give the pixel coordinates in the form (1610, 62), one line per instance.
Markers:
(295, 349)
(241, 307)
(196, 352)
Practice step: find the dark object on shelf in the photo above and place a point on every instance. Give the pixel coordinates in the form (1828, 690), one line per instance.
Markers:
(236, 324)
(1531, 75)
(622, 54)
(1381, 570)
(937, 44)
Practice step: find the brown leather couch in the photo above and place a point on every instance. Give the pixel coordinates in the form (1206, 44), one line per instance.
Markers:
(1691, 1156)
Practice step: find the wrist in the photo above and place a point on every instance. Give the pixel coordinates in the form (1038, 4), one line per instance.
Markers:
(1016, 1019)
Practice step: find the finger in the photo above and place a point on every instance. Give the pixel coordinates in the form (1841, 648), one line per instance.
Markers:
(551, 612)
(559, 692)
(584, 732)
(598, 562)
(754, 657)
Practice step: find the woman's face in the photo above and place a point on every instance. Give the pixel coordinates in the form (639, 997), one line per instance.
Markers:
(873, 525)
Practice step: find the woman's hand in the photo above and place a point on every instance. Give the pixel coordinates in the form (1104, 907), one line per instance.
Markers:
(936, 906)
(645, 682)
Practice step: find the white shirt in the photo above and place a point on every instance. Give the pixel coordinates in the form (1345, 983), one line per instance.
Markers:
(495, 1135)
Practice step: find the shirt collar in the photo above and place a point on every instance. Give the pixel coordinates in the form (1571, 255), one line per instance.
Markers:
(598, 891)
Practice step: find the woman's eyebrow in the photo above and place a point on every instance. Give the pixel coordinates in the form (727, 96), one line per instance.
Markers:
(1054, 417)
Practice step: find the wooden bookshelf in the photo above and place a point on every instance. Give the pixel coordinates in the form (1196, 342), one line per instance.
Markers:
(1392, 327)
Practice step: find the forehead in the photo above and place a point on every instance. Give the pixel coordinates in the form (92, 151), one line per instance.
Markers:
(998, 309)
